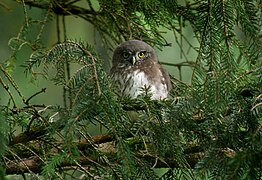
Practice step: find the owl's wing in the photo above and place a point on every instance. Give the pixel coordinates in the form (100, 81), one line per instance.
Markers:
(166, 79)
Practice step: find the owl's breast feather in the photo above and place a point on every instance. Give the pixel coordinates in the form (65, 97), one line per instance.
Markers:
(136, 81)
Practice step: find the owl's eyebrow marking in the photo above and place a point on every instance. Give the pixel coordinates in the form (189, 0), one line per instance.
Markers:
(129, 52)
(126, 51)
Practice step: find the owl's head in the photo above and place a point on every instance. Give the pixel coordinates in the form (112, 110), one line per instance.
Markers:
(133, 53)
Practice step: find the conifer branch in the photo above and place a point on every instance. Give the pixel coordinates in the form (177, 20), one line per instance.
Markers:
(34, 164)
(208, 128)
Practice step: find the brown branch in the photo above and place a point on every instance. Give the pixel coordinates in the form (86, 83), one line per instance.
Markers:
(61, 8)
(36, 133)
(28, 136)
(98, 139)
(192, 159)
(34, 164)
(103, 144)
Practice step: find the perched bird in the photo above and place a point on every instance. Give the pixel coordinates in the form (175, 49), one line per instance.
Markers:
(135, 67)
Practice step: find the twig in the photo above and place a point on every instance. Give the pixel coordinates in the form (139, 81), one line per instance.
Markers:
(67, 68)
(5, 6)
(39, 92)
(8, 91)
(43, 25)
(186, 63)
(11, 80)
(26, 15)
(83, 169)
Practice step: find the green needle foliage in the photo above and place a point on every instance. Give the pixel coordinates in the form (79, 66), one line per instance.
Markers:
(208, 129)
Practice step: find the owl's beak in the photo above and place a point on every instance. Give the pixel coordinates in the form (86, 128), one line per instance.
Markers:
(133, 60)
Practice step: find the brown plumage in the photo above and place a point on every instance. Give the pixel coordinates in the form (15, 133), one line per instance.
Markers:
(135, 66)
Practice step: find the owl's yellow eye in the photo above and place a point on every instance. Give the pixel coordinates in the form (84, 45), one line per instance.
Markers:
(126, 55)
(141, 54)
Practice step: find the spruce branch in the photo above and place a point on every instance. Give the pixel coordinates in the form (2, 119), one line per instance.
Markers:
(104, 145)
(94, 68)
(209, 128)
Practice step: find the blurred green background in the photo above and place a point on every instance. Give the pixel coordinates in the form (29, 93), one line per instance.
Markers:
(12, 18)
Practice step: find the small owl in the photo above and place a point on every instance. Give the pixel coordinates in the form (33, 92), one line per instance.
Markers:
(135, 67)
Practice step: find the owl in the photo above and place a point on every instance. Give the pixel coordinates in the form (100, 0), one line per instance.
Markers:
(135, 68)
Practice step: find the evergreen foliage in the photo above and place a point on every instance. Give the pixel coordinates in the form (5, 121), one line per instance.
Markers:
(208, 129)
